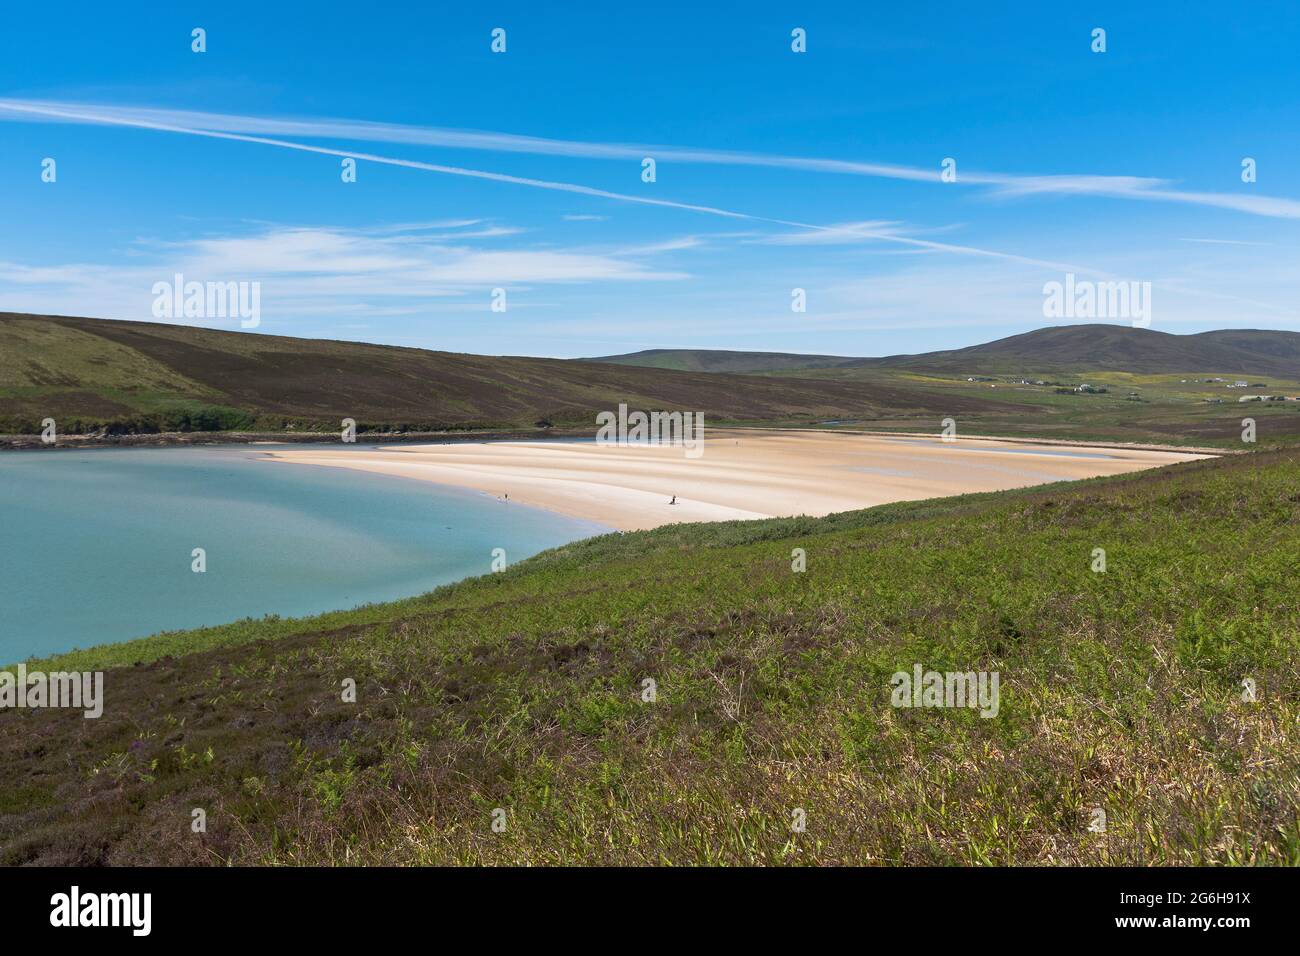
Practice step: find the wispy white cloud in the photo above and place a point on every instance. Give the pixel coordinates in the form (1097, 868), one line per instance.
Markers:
(1226, 242)
(316, 270)
(835, 234)
(1150, 190)
(666, 245)
(433, 225)
(484, 232)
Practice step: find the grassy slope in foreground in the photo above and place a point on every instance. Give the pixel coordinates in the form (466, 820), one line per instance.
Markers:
(522, 691)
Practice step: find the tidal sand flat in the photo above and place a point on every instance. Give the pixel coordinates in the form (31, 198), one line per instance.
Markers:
(98, 545)
(741, 474)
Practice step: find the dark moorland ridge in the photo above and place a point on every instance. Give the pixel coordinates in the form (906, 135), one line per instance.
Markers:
(147, 377)
(523, 690)
(1074, 348)
(112, 382)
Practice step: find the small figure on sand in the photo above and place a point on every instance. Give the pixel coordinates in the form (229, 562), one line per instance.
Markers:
(674, 501)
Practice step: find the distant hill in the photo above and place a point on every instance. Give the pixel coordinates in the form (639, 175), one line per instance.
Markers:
(1117, 348)
(144, 376)
(706, 360)
(1074, 348)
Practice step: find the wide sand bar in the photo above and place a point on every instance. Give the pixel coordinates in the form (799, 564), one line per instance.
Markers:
(740, 474)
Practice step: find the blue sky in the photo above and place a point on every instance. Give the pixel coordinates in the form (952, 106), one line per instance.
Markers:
(775, 170)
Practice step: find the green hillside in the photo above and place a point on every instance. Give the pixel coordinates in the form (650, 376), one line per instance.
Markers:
(1119, 348)
(90, 374)
(95, 377)
(523, 692)
(1145, 386)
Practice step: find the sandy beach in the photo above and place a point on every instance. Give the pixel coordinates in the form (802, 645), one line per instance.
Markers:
(741, 474)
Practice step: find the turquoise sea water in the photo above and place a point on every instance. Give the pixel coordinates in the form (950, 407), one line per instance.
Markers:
(96, 544)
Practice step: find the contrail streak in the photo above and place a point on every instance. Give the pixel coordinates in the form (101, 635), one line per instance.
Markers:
(1002, 184)
(91, 117)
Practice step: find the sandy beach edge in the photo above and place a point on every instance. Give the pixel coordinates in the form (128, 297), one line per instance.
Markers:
(746, 474)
